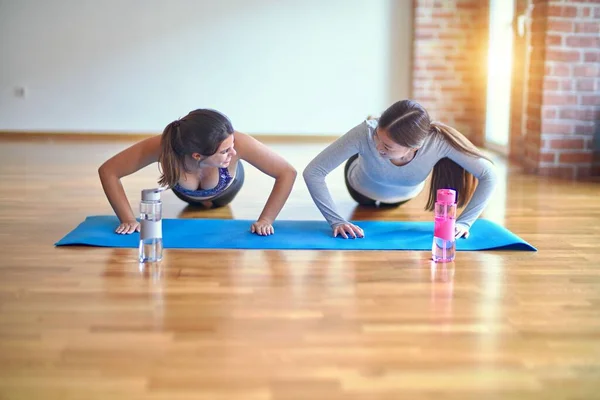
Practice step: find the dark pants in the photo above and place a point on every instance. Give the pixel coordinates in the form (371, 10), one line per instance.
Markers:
(362, 199)
(223, 198)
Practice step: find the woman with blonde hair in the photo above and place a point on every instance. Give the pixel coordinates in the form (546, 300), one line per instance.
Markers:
(389, 159)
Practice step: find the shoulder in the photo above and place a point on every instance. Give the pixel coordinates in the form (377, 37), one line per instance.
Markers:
(363, 130)
(371, 122)
(441, 145)
(150, 142)
(151, 147)
(435, 145)
(243, 141)
(241, 136)
(473, 160)
(251, 149)
(356, 138)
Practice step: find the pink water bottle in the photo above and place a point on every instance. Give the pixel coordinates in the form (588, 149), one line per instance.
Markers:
(444, 246)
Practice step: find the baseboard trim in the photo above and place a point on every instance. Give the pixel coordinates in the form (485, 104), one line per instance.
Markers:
(71, 136)
(133, 137)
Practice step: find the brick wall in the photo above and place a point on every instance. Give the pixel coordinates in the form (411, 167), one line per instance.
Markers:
(561, 85)
(571, 88)
(449, 72)
(555, 95)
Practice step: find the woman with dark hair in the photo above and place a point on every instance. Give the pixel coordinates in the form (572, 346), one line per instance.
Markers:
(389, 159)
(200, 163)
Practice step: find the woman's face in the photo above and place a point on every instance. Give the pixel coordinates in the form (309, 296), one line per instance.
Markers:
(389, 149)
(221, 158)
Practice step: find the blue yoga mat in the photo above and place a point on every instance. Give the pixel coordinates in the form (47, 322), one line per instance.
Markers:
(292, 235)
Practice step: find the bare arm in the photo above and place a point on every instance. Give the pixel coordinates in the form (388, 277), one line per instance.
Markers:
(272, 164)
(122, 164)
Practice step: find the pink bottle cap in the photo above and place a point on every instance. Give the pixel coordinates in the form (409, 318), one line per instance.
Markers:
(446, 196)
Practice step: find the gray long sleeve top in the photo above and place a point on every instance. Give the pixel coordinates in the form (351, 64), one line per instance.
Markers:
(379, 179)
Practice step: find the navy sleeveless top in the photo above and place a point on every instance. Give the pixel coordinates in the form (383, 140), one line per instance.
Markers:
(224, 180)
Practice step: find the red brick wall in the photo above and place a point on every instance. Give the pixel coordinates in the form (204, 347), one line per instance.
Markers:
(450, 62)
(571, 103)
(555, 105)
(562, 106)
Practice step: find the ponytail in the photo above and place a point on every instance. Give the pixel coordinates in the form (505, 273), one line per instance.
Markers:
(201, 131)
(171, 159)
(447, 173)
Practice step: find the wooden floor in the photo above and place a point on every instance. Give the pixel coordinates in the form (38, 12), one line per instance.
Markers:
(89, 323)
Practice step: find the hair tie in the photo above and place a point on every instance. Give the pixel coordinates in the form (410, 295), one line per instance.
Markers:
(176, 123)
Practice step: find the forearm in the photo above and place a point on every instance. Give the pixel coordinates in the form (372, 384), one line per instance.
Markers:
(116, 196)
(480, 199)
(325, 162)
(315, 182)
(279, 195)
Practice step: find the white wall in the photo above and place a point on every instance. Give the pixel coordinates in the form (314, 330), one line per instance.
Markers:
(287, 66)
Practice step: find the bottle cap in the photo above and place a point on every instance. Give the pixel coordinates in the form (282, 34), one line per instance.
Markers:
(151, 194)
(446, 196)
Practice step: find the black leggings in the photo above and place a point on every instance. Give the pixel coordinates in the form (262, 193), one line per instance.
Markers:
(360, 198)
(223, 198)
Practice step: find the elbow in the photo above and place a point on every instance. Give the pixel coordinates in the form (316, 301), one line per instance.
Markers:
(105, 172)
(313, 172)
(493, 172)
(102, 171)
(308, 173)
(490, 174)
(292, 174)
(286, 175)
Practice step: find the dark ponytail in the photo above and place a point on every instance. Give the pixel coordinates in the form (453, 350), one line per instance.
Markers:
(171, 161)
(201, 131)
(448, 174)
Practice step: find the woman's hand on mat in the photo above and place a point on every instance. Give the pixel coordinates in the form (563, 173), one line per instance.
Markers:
(348, 230)
(128, 227)
(461, 231)
(262, 227)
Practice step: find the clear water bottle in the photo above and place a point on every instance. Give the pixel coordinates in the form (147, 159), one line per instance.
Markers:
(444, 244)
(151, 243)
